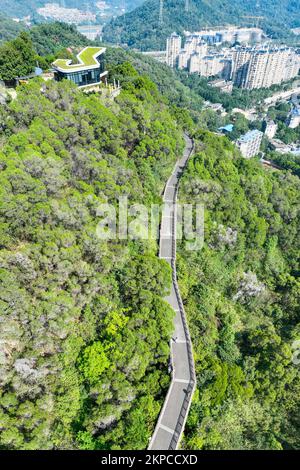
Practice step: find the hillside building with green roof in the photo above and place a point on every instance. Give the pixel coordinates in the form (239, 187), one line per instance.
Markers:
(90, 69)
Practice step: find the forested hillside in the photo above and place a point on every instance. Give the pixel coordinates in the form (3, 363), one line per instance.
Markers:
(51, 37)
(241, 293)
(21, 8)
(84, 342)
(40, 45)
(141, 29)
(84, 330)
(9, 29)
(48, 38)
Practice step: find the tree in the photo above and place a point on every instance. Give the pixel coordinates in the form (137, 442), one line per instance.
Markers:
(94, 361)
(17, 58)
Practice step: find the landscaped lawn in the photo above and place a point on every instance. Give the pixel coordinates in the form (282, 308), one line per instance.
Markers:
(86, 57)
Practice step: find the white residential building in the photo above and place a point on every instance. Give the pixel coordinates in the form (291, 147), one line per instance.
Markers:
(270, 129)
(214, 65)
(294, 118)
(249, 144)
(261, 67)
(183, 60)
(173, 49)
(194, 63)
(190, 57)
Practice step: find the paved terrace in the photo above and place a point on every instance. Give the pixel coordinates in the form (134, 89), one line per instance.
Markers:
(174, 412)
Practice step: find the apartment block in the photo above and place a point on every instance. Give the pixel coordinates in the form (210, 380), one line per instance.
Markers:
(215, 65)
(173, 49)
(249, 144)
(194, 50)
(183, 60)
(264, 66)
(195, 58)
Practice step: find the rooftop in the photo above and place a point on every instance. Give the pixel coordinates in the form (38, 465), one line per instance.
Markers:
(227, 128)
(86, 58)
(296, 111)
(250, 135)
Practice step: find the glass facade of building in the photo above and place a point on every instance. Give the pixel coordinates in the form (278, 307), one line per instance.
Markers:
(83, 77)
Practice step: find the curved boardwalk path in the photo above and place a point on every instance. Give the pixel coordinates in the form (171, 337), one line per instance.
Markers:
(171, 421)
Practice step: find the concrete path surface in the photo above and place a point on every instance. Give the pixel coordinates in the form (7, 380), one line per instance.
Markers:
(175, 409)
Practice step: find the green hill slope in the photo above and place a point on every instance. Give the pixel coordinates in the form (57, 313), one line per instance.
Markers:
(141, 28)
(84, 329)
(47, 38)
(9, 29)
(84, 351)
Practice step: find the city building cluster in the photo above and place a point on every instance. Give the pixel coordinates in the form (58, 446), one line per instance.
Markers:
(246, 66)
(66, 15)
(195, 56)
(262, 67)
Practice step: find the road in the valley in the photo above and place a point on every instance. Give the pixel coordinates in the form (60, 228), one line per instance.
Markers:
(175, 409)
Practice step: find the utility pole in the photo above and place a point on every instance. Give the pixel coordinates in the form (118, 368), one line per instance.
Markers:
(123, 7)
(124, 11)
(187, 6)
(161, 10)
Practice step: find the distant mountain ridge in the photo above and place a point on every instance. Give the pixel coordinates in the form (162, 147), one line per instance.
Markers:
(21, 8)
(141, 29)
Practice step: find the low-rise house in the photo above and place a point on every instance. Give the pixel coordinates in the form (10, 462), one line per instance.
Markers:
(223, 85)
(283, 148)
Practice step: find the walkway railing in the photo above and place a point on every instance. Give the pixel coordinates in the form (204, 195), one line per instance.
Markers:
(183, 413)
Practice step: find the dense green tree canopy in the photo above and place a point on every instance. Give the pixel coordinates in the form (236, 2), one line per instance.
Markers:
(242, 297)
(17, 57)
(85, 342)
(38, 46)
(9, 29)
